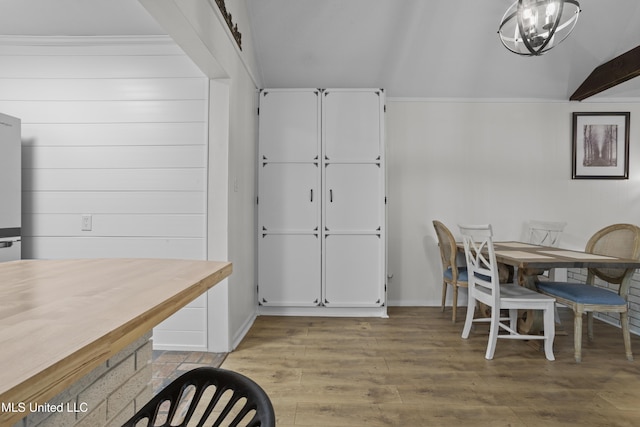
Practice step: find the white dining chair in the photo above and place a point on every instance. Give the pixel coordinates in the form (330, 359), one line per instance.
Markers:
(484, 287)
(545, 233)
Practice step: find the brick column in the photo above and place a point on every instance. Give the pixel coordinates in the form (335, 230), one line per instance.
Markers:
(107, 396)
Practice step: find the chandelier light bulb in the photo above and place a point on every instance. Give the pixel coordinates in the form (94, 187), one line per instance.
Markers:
(551, 8)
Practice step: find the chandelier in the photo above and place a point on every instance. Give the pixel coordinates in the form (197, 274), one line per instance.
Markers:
(532, 27)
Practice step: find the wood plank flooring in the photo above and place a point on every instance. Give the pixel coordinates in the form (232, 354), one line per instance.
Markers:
(414, 369)
(167, 365)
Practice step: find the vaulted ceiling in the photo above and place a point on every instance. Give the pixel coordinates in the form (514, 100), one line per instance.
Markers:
(435, 48)
(413, 48)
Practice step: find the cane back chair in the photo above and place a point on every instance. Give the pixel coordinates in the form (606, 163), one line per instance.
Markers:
(618, 240)
(452, 275)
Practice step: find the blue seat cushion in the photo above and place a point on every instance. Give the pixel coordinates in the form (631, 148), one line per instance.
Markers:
(462, 274)
(581, 293)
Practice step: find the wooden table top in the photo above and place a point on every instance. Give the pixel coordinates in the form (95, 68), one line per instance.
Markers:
(59, 319)
(526, 255)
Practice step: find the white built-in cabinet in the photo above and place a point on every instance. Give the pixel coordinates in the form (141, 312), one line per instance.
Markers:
(321, 201)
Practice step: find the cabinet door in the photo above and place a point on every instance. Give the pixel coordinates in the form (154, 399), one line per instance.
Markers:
(288, 197)
(352, 125)
(289, 125)
(289, 269)
(354, 198)
(353, 270)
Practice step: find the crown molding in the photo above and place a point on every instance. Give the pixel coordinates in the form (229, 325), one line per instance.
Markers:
(84, 40)
(455, 100)
(228, 18)
(612, 100)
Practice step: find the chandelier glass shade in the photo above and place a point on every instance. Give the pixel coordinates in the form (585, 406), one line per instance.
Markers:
(533, 27)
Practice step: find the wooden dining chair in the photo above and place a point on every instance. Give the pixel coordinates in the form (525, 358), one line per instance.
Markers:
(618, 240)
(484, 287)
(452, 275)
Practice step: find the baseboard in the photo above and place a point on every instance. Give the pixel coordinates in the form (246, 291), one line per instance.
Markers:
(414, 303)
(324, 311)
(180, 348)
(239, 335)
(609, 321)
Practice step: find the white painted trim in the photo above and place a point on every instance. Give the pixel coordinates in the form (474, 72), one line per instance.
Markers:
(243, 330)
(172, 18)
(611, 100)
(513, 100)
(477, 100)
(232, 41)
(609, 321)
(180, 348)
(413, 303)
(85, 40)
(218, 315)
(324, 311)
(218, 329)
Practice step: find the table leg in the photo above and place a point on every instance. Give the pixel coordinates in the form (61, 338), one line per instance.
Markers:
(529, 321)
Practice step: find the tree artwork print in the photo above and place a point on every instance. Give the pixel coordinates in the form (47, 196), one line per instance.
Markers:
(600, 147)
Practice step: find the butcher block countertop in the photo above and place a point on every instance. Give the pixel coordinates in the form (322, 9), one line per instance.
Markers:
(60, 319)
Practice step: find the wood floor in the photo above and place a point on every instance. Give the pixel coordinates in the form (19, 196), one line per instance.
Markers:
(166, 366)
(413, 369)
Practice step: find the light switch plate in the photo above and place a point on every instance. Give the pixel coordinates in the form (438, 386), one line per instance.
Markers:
(86, 223)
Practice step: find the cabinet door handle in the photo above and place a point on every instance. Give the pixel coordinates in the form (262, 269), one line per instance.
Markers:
(311, 196)
(330, 195)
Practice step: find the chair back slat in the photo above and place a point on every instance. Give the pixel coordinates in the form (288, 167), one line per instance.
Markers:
(545, 233)
(481, 262)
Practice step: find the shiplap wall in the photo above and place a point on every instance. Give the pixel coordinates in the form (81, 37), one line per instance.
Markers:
(115, 128)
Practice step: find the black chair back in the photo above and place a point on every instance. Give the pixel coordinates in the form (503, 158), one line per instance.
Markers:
(207, 397)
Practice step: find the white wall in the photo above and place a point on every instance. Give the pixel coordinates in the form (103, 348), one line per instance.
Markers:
(115, 128)
(502, 163)
(198, 27)
(176, 204)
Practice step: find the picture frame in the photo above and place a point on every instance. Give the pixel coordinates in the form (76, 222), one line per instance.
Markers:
(600, 147)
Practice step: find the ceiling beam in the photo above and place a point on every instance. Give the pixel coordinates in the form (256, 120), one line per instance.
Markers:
(612, 73)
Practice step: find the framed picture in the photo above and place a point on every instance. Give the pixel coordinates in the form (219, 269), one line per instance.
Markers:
(600, 146)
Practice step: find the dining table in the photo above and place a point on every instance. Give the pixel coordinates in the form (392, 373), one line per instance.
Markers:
(530, 261)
